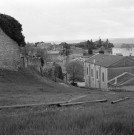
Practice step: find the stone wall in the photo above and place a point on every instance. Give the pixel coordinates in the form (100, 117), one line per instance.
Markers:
(9, 53)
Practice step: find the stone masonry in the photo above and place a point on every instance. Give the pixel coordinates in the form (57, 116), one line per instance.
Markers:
(9, 53)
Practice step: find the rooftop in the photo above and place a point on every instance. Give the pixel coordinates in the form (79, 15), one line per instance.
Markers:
(125, 77)
(104, 60)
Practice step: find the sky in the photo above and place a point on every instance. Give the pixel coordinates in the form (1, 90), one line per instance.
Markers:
(61, 20)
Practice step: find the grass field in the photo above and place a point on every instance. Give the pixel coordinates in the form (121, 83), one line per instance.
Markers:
(91, 119)
(24, 88)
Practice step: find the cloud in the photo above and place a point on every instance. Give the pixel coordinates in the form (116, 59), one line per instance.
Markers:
(68, 19)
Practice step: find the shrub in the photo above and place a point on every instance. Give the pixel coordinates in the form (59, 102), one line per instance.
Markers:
(12, 28)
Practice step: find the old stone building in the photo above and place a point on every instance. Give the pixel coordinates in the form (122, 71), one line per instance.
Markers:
(10, 53)
(105, 71)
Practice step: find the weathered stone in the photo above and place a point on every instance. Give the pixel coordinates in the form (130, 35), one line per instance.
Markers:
(9, 53)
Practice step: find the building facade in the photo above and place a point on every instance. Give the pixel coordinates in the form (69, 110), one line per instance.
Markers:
(100, 69)
(123, 51)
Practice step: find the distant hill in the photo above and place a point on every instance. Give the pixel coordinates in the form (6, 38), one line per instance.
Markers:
(119, 41)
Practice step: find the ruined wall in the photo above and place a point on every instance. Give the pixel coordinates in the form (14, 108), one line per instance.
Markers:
(9, 53)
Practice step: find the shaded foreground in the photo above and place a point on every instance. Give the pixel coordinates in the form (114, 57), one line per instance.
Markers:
(81, 120)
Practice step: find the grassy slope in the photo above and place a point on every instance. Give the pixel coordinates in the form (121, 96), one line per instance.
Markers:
(95, 119)
(26, 87)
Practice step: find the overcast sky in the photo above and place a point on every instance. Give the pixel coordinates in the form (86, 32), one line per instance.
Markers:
(54, 20)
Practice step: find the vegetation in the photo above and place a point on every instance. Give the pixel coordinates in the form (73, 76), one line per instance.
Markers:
(53, 72)
(101, 51)
(90, 51)
(93, 120)
(90, 45)
(66, 48)
(75, 71)
(48, 72)
(58, 71)
(12, 28)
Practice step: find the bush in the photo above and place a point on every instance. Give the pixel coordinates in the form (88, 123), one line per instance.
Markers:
(90, 51)
(101, 52)
(12, 28)
(47, 71)
(53, 71)
(58, 71)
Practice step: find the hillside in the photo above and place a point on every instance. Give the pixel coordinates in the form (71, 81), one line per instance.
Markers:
(27, 86)
(119, 41)
(115, 41)
(24, 87)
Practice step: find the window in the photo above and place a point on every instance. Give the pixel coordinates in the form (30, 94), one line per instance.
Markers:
(97, 75)
(103, 77)
(92, 73)
(87, 71)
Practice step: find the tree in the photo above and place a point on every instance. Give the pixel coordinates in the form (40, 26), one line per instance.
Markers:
(57, 71)
(47, 71)
(42, 53)
(66, 48)
(75, 71)
(54, 71)
(107, 44)
(101, 52)
(29, 48)
(90, 44)
(12, 28)
(90, 51)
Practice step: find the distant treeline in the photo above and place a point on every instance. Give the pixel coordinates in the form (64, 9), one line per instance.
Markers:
(89, 44)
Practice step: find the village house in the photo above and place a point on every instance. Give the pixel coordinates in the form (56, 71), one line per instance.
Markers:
(127, 50)
(10, 53)
(43, 45)
(107, 71)
(53, 55)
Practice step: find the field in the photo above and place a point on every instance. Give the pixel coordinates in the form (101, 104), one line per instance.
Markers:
(89, 119)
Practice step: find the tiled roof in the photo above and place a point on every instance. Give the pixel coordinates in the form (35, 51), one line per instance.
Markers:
(104, 60)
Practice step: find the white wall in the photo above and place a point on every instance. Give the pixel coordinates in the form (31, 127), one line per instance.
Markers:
(86, 76)
(92, 81)
(104, 84)
(123, 51)
(92, 67)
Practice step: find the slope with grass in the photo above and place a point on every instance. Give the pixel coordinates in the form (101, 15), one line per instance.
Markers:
(26, 87)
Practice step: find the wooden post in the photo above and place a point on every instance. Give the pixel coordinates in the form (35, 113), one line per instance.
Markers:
(119, 100)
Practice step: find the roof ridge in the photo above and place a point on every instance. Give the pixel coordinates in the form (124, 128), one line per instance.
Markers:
(91, 57)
